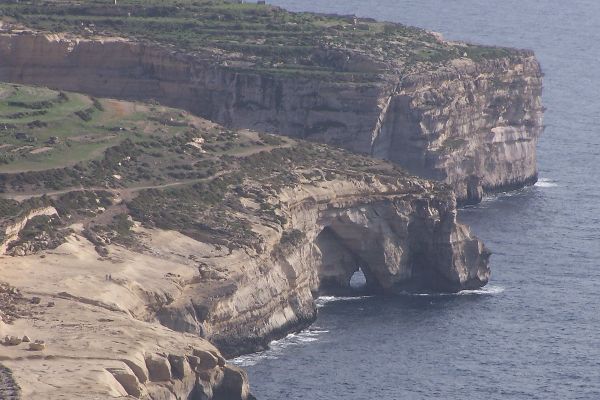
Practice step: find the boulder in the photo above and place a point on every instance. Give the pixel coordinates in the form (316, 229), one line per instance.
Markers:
(159, 368)
(12, 341)
(207, 359)
(38, 345)
(180, 367)
(137, 363)
(128, 380)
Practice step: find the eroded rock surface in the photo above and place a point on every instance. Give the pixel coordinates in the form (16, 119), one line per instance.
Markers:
(398, 234)
(93, 352)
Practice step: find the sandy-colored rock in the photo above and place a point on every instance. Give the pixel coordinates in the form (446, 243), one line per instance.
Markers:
(38, 345)
(12, 341)
(158, 368)
(93, 333)
(207, 359)
(128, 380)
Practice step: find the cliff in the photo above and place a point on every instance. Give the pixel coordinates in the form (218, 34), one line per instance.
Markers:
(186, 233)
(402, 233)
(466, 115)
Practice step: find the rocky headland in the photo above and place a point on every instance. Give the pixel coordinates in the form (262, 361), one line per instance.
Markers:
(469, 116)
(142, 245)
(129, 263)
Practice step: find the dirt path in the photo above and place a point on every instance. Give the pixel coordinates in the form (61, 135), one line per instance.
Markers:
(125, 193)
(9, 390)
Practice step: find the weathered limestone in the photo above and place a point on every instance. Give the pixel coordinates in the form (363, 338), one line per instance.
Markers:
(207, 359)
(97, 352)
(473, 125)
(400, 230)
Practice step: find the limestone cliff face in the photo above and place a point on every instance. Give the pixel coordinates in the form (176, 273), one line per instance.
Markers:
(471, 124)
(402, 235)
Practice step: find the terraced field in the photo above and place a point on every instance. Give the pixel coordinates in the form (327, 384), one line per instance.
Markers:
(254, 37)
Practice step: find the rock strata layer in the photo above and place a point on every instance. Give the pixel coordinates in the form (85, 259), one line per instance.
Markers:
(472, 124)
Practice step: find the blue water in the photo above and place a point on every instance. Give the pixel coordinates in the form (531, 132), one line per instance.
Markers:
(534, 333)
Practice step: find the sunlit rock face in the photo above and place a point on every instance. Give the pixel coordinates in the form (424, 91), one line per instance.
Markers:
(473, 125)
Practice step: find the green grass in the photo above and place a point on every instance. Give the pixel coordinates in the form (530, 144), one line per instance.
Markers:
(69, 129)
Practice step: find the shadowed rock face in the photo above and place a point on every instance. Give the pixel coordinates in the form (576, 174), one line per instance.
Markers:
(400, 246)
(471, 124)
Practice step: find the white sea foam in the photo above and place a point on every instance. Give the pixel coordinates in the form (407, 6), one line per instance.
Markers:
(487, 290)
(277, 347)
(546, 183)
(321, 301)
(313, 334)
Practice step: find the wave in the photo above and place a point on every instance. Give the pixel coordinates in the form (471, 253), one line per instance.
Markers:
(277, 347)
(323, 300)
(487, 290)
(546, 183)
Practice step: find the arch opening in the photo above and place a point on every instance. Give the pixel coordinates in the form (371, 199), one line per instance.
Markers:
(358, 281)
(342, 271)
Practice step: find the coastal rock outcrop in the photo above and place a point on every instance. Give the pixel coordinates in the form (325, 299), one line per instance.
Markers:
(96, 352)
(239, 253)
(402, 234)
(473, 124)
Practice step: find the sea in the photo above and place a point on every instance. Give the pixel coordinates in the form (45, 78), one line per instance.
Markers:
(534, 331)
